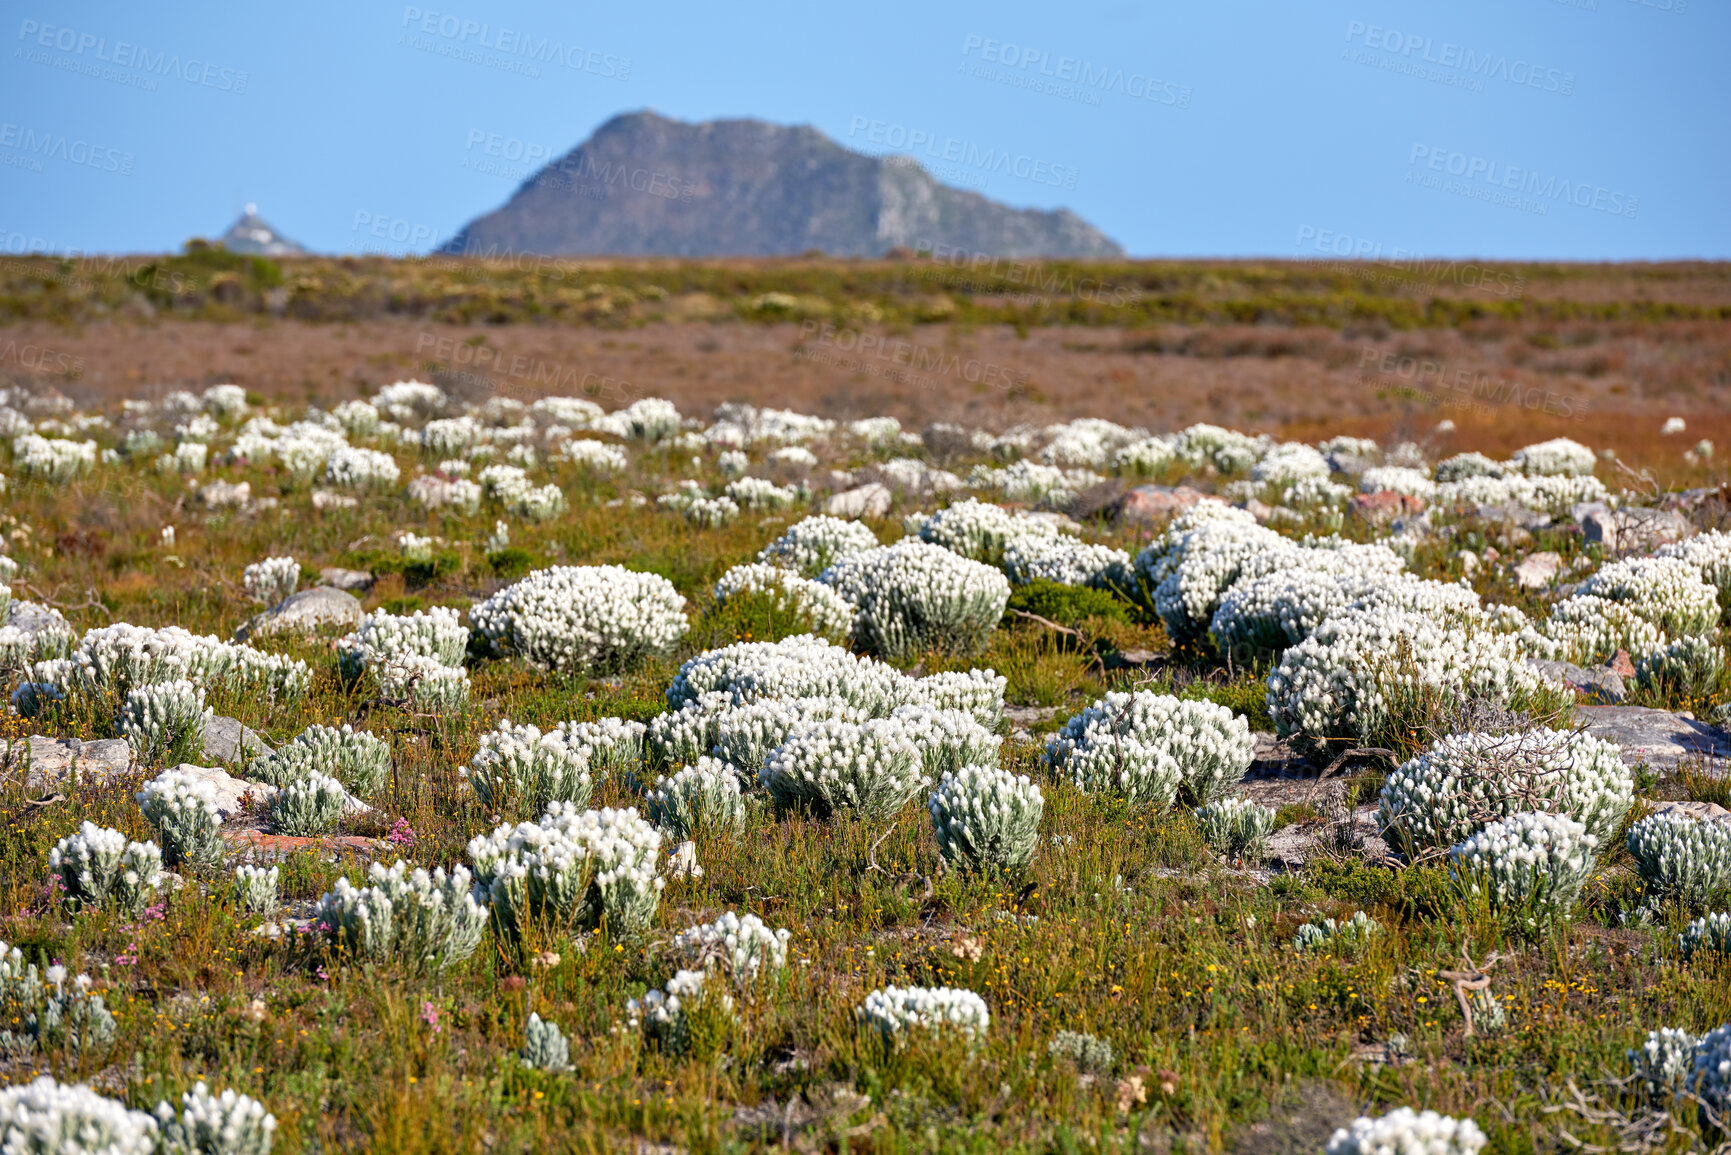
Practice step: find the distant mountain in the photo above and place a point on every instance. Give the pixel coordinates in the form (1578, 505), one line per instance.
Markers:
(645, 185)
(252, 235)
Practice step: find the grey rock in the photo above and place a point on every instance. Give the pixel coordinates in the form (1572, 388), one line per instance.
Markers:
(1657, 737)
(1260, 511)
(348, 580)
(1509, 513)
(1539, 570)
(863, 501)
(1706, 811)
(233, 795)
(1155, 504)
(44, 761)
(1604, 687)
(1635, 530)
(305, 612)
(1349, 463)
(36, 620)
(226, 740)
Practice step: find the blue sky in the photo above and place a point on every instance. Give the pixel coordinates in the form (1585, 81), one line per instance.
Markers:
(1586, 130)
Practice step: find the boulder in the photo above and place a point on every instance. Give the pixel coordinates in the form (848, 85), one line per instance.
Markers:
(1539, 570)
(1155, 504)
(226, 740)
(305, 612)
(233, 795)
(1657, 737)
(1706, 811)
(871, 500)
(1384, 505)
(1636, 530)
(347, 580)
(1510, 513)
(1602, 686)
(46, 762)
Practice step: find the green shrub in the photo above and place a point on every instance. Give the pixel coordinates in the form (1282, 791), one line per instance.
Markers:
(1066, 605)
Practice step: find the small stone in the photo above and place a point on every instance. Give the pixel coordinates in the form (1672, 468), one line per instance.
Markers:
(1539, 570)
(683, 862)
(348, 580)
(233, 795)
(226, 740)
(306, 611)
(864, 501)
(1261, 512)
(1155, 504)
(1384, 505)
(1622, 664)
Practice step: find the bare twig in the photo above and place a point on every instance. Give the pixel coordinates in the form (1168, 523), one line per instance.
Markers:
(1340, 759)
(90, 601)
(1472, 977)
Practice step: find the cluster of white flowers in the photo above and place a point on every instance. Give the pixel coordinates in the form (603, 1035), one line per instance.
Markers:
(571, 869)
(745, 949)
(1559, 457)
(761, 494)
(425, 921)
(702, 796)
(914, 596)
(1397, 479)
(1235, 827)
(1225, 449)
(745, 734)
(977, 529)
(188, 457)
(1146, 457)
(529, 768)
(594, 456)
(665, 1015)
(1330, 935)
(1707, 935)
(1710, 554)
(97, 865)
(1712, 1074)
(874, 767)
(1068, 562)
(1531, 866)
(1588, 629)
(382, 637)
(52, 459)
(225, 1124)
(897, 1012)
(1197, 561)
(802, 666)
(1146, 746)
(1552, 494)
(358, 418)
(588, 619)
(1681, 859)
(424, 685)
(406, 401)
(1685, 667)
(1664, 1063)
(164, 721)
(459, 494)
(114, 660)
(545, 1047)
(1464, 465)
(415, 547)
(812, 545)
(1667, 591)
(1031, 482)
(613, 745)
(1404, 1131)
(649, 419)
(822, 609)
(947, 739)
(979, 692)
(1452, 790)
(450, 435)
(986, 819)
(307, 806)
(255, 888)
(359, 760)
(271, 580)
(1290, 462)
(1089, 441)
(353, 467)
(182, 808)
(683, 735)
(46, 1117)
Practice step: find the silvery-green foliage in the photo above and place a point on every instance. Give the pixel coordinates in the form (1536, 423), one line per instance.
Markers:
(255, 888)
(271, 580)
(872, 767)
(1489, 1017)
(978, 529)
(1552, 495)
(1329, 934)
(913, 596)
(49, 1011)
(98, 865)
(986, 819)
(46, 1117)
(359, 760)
(571, 869)
(1290, 462)
(1464, 465)
(1681, 859)
(1029, 481)
(52, 459)
(427, 685)
(1397, 479)
(1200, 567)
(1667, 591)
(825, 611)
(115, 660)
(352, 467)
(947, 739)
(308, 806)
(812, 545)
(688, 733)
(1263, 616)
(1530, 866)
(979, 692)
(746, 734)
(164, 722)
(1146, 457)
(702, 796)
(898, 1012)
(802, 666)
(426, 921)
(415, 547)
(545, 1047)
(1068, 562)
(1559, 457)
(1403, 1130)
(1452, 790)
(531, 769)
(1709, 935)
(1712, 1076)
(1587, 629)
(358, 418)
(1685, 667)
(449, 435)
(381, 637)
(1235, 827)
(1092, 1056)
(1664, 1065)
(665, 1015)
(1710, 554)
(594, 456)
(225, 1124)
(614, 745)
(182, 808)
(742, 948)
(1146, 746)
(589, 619)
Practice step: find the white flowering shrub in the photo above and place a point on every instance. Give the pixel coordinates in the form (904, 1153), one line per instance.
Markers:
(818, 606)
(415, 547)
(164, 723)
(545, 1047)
(1664, 1064)
(352, 467)
(1235, 827)
(1712, 1075)
(914, 596)
(1554, 495)
(1684, 669)
(575, 412)
(1708, 935)
(872, 767)
(899, 1013)
(702, 796)
(571, 870)
(1404, 1131)
(688, 733)
(1559, 457)
(427, 922)
(271, 580)
(447, 436)
(649, 419)
(45, 1012)
(98, 865)
(425, 685)
(1068, 562)
(1262, 616)
(947, 739)
(1145, 458)
(459, 494)
(1681, 859)
(46, 1117)
(761, 494)
(1397, 479)
(524, 767)
(183, 811)
(812, 545)
(744, 735)
(1587, 630)
(1455, 788)
(986, 819)
(52, 459)
(796, 667)
(1147, 746)
(255, 888)
(308, 806)
(593, 456)
(1667, 591)
(225, 1124)
(1710, 554)
(359, 760)
(358, 418)
(589, 619)
(744, 949)
(1347, 934)
(978, 692)
(612, 745)
(671, 1015)
(437, 633)
(1196, 563)
(1528, 866)
(978, 530)
(114, 660)
(1464, 465)
(1031, 482)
